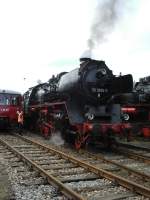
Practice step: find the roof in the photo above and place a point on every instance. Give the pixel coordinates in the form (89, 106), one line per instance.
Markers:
(9, 91)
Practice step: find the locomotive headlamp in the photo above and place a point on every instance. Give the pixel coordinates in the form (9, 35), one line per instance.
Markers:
(126, 117)
(89, 116)
(57, 115)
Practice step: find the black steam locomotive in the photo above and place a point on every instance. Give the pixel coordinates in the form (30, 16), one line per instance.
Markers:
(136, 107)
(82, 104)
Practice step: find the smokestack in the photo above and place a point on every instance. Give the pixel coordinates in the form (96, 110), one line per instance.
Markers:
(84, 59)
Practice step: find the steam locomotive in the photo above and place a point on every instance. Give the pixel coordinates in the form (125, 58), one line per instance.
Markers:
(82, 104)
(136, 107)
(10, 103)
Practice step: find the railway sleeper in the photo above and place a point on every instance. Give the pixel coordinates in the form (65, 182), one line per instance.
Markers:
(60, 166)
(33, 181)
(45, 158)
(77, 178)
(111, 196)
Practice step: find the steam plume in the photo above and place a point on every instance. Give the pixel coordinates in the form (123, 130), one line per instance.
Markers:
(107, 14)
(56, 139)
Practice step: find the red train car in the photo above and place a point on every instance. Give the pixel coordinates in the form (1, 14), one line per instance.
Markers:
(10, 103)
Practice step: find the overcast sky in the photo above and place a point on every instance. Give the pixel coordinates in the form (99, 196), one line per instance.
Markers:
(39, 38)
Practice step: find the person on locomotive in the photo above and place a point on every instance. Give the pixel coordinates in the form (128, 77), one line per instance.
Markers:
(20, 121)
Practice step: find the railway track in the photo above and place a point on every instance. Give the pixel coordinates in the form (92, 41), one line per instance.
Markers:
(134, 151)
(75, 178)
(120, 165)
(136, 147)
(121, 153)
(128, 165)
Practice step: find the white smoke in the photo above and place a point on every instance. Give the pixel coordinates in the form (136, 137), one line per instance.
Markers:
(56, 139)
(108, 13)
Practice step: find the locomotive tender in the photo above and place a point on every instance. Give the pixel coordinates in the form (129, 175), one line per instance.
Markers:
(10, 103)
(82, 104)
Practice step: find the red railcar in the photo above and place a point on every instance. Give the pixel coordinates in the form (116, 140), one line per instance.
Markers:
(10, 103)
